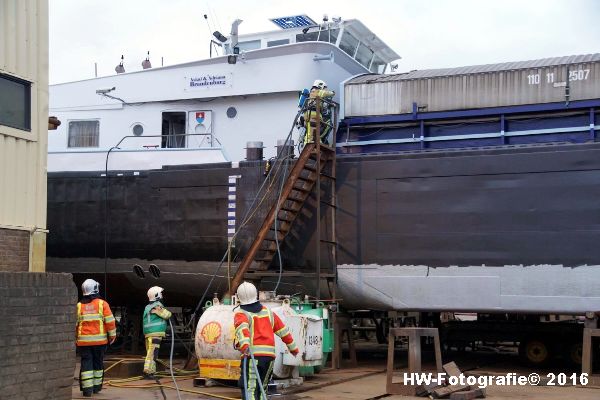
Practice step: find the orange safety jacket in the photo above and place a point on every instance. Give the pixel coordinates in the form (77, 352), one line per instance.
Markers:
(258, 330)
(94, 322)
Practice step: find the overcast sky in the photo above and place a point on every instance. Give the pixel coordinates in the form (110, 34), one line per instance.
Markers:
(427, 34)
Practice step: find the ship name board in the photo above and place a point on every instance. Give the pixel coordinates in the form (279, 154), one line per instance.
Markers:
(207, 81)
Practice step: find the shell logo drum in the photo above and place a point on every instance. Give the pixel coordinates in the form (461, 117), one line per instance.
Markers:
(211, 332)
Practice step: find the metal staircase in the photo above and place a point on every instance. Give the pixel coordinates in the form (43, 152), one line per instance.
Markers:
(315, 163)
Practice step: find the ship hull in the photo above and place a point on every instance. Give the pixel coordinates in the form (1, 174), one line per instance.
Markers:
(509, 229)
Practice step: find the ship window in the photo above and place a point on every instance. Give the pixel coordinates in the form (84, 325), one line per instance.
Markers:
(349, 43)
(364, 55)
(231, 112)
(15, 103)
(249, 45)
(329, 35)
(281, 42)
(173, 130)
(378, 65)
(307, 37)
(138, 129)
(84, 133)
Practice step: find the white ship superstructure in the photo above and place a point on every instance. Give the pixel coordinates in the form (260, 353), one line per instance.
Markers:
(206, 111)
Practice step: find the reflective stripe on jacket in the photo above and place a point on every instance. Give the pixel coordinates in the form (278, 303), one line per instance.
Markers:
(155, 324)
(94, 322)
(319, 94)
(258, 330)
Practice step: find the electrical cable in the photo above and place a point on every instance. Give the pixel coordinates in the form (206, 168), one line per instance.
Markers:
(155, 385)
(162, 390)
(245, 220)
(106, 191)
(245, 378)
(181, 375)
(283, 176)
(107, 219)
(260, 384)
(247, 217)
(171, 359)
(245, 375)
(284, 161)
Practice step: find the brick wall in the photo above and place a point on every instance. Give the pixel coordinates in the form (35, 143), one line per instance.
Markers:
(14, 250)
(37, 325)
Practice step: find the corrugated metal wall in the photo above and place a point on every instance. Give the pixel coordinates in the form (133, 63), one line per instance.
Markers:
(24, 54)
(468, 91)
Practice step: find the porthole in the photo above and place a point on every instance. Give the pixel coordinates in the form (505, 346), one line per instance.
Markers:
(231, 112)
(138, 129)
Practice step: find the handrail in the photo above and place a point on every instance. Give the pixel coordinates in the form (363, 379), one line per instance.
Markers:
(174, 135)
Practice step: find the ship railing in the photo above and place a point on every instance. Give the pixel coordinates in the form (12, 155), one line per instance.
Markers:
(176, 141)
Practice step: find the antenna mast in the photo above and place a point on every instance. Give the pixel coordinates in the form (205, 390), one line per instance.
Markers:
(210, 34)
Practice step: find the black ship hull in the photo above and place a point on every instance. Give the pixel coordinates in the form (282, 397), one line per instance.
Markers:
(521, 206)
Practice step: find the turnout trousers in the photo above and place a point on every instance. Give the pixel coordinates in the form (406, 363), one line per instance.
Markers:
(311, 118)
(265, 370)
(152, 348)
(91, 374)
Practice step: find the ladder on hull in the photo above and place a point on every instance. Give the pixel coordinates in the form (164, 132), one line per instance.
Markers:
(315, 163)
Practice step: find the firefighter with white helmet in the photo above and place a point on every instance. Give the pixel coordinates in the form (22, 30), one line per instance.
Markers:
(318, 93)
(155, 319)
(96, 327)
(319, 84)
(247, 293)
(255, 330)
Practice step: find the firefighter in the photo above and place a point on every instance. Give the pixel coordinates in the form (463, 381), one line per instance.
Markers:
(255, 330)
(317, 92)
(155, 319)
(96, 328)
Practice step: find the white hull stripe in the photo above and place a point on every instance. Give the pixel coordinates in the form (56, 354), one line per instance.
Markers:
(231, 206)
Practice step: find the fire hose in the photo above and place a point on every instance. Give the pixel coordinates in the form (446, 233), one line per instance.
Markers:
(244, 374)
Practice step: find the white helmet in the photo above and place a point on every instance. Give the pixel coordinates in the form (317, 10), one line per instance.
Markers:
(90, 286)
(319, 84)
(246, 293)
(155, 293)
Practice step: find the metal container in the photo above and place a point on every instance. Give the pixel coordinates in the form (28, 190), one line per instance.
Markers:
(217, 359)
(287, 150)
(254, 151)
(548, 80)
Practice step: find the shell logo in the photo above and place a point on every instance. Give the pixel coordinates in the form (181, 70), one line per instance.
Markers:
(211, 332)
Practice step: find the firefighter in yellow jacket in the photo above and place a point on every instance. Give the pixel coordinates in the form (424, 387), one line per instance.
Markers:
(318, 92)
(96, 328)
(155, 326)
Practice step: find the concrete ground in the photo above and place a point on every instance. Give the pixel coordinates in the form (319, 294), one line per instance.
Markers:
(367, 381)
(368, 387)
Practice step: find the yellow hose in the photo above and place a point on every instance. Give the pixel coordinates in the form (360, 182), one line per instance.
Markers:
(120, 382)
(157, 385)
(178, 370)
(119, 362)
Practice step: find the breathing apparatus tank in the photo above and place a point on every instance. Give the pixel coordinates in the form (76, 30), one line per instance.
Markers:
(303, 96)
